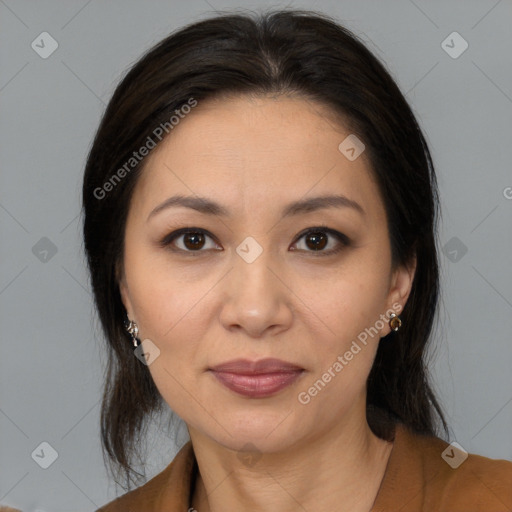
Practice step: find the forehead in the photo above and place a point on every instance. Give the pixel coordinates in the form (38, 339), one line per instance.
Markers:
(258, 152)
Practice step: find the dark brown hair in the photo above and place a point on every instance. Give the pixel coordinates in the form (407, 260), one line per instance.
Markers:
(278, 52)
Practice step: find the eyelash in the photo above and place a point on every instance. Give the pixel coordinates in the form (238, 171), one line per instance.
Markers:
(343, 239)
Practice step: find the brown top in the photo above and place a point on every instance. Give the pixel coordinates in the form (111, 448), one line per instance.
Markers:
(419, 477)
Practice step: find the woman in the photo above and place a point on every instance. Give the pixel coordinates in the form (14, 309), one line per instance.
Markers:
(260, 216)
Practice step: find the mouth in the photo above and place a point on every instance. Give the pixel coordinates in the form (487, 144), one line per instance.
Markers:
(256, 379)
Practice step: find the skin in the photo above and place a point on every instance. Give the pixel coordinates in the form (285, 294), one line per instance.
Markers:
(254, 156)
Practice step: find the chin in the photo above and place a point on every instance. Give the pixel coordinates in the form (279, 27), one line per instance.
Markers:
(266, 431)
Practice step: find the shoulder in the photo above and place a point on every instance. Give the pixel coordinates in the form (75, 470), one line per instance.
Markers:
(447, 478)
(479, 483)
(169, 489)
(138, 499)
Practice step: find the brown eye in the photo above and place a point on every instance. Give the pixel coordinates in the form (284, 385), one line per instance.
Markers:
(193, 241)
(316, 241)
(318, 238)
(189, 240)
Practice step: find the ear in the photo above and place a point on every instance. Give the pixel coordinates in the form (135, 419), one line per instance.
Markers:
(400, 289)
(123, 290)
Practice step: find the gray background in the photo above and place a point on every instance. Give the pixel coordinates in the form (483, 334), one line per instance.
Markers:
(51, 364)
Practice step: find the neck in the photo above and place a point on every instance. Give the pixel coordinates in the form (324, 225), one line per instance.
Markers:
(342, 471)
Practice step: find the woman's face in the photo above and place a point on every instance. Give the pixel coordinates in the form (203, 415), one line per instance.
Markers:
(248, 282)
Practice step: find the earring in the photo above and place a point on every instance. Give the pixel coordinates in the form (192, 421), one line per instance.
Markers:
(394, 322)
(132, 328)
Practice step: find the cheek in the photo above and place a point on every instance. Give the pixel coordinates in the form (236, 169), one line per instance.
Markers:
(344, 331)
(349, 299)
(168, 311)
(162, 294)
(343, 346)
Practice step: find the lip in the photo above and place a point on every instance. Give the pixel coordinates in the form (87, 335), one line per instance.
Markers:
(263, 366)
(256, 379)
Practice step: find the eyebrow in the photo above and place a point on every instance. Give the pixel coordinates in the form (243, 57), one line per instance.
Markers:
(208, 207)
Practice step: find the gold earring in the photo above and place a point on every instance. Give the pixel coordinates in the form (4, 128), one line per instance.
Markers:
(394, 322)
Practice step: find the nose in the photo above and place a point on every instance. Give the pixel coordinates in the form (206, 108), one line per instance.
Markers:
(256, 298)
